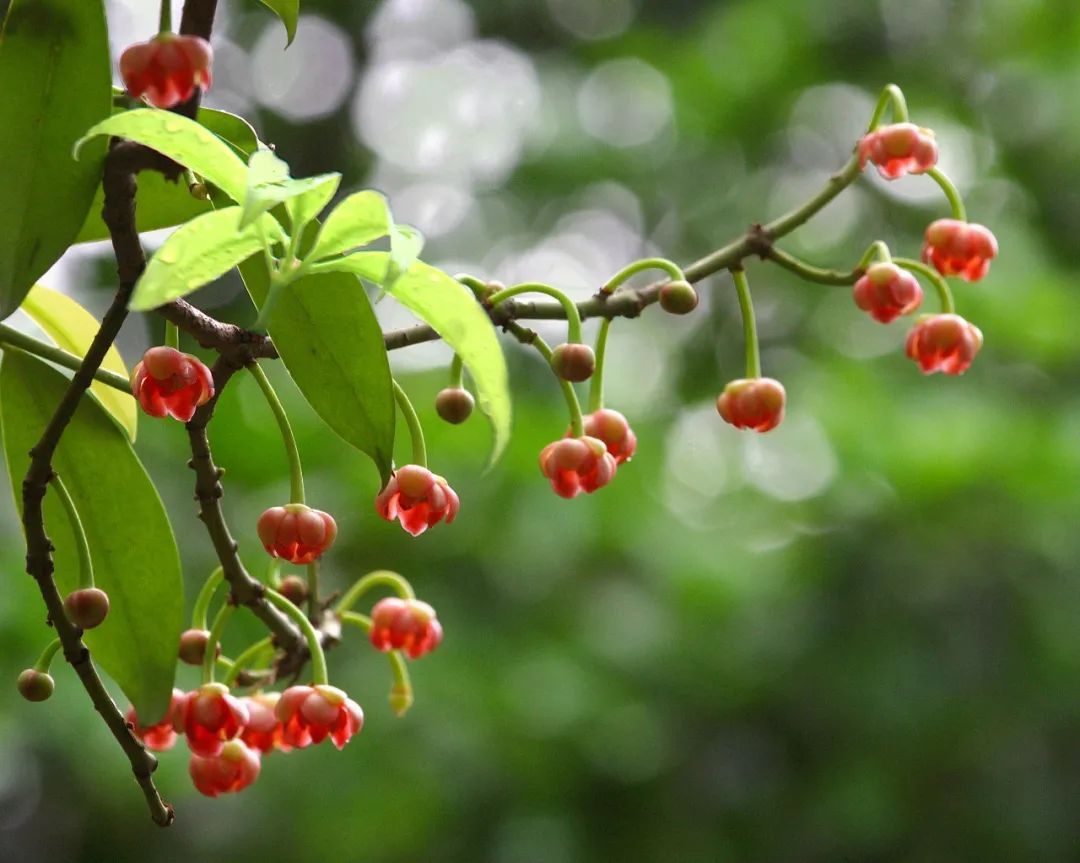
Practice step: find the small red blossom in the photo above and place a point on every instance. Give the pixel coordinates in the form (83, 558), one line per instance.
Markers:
(263, 731)
(169, 383)
(958, 248)
(752, 403)
(167, 69)
(161, 736)
(418, 499)
(405, 624)
(296, 533)
(209, 716)
(885, 291)
(612, 428)
(310, 714)
(944, 343)
(899, 149)
(234, 768)
(575, 465)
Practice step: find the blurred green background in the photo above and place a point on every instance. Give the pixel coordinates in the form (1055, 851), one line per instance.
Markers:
(855, 638)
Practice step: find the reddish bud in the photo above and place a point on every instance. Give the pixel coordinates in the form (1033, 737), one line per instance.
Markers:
(161, 736)
(454, 405)
(167, 69)
(234, 768)
(263, 730)
(193, 646)
(169, 383)
(885, 291)
(35, 685)
(296, 533)
(294, 589)
(310, 714)
(209, 716)
(678, 297)
(405, 624)
(575, 465)
(418, 499)
(752, 403)
(959, 249)
(899, 149)
(87, 608)
(944, 343)
(612, 428)
(573, 362)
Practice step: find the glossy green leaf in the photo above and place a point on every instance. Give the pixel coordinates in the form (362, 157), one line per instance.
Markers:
(406, 243)
(198, 252)
(358, 220)
(182, 140)
(54, 84)
(452, 311)
(269, 184)
(73, 328)
(288, 11)
(325, 330)
(131, 543)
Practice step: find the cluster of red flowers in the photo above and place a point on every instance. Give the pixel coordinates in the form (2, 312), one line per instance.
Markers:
(229, 735)
(583, 464)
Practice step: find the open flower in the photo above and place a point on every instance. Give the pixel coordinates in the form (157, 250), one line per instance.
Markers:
(234, 768)
(263, 731)
(405, 624)
(577, 464)
(417, 498)
(296, 533)
(169, 383)
(899, 149)
(310, 714)
(161, 736)
(752, 403)
(612, 428)
(944, 343)
(167, 69)
(956, 248)
(209, 716)
(885, 292)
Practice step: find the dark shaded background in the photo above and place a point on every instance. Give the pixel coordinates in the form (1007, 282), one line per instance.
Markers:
(853, 639)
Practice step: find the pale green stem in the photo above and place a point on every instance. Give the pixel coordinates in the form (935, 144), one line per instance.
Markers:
(378, 578)
(412, 420)
(669, 267)
(596, 385)
(577, 423)
(86, 566)
(165, 17)
(11, 337)
(214, 639)
(573, 316)
(934, 277)
(878, 250)
(205, 597)
(746, 306)
(172, 335)
(894, 96)
(457, 367)
(809, 272)
(247, 658)
(956, 203)
(478, 287)
(296, 472)
(319, 673)
(46, 658)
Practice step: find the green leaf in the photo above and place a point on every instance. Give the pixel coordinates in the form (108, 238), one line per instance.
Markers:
(199, 252)
(55, 81)
(131, 543)
(73, 328)
(288, 11)
(269, 184)
(182, 140)
(326, 333)
(406, 243)
(358, 220)
(452, 311)
(163, 204)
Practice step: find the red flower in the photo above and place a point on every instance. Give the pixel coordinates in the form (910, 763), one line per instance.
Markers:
(944, 343)
(163, 735)
(575, 465)
(886, 292)
(169, 383)
(167, 69)
(232, 769)
(899, 149)
(405, 624)
(310, 714)
(209, 716)
(612, 428)
(263, 731)
(959, 249)
(418, 499)
(296, 533)
(752, 403)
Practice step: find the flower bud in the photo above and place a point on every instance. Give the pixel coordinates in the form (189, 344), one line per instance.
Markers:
(35, 685)
(454, 405)
(193, 646)
(678, 297)
(294, 589)
(573, 361)
(87, 608)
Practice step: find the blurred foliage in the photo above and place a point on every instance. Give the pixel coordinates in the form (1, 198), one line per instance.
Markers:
(854, 639)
